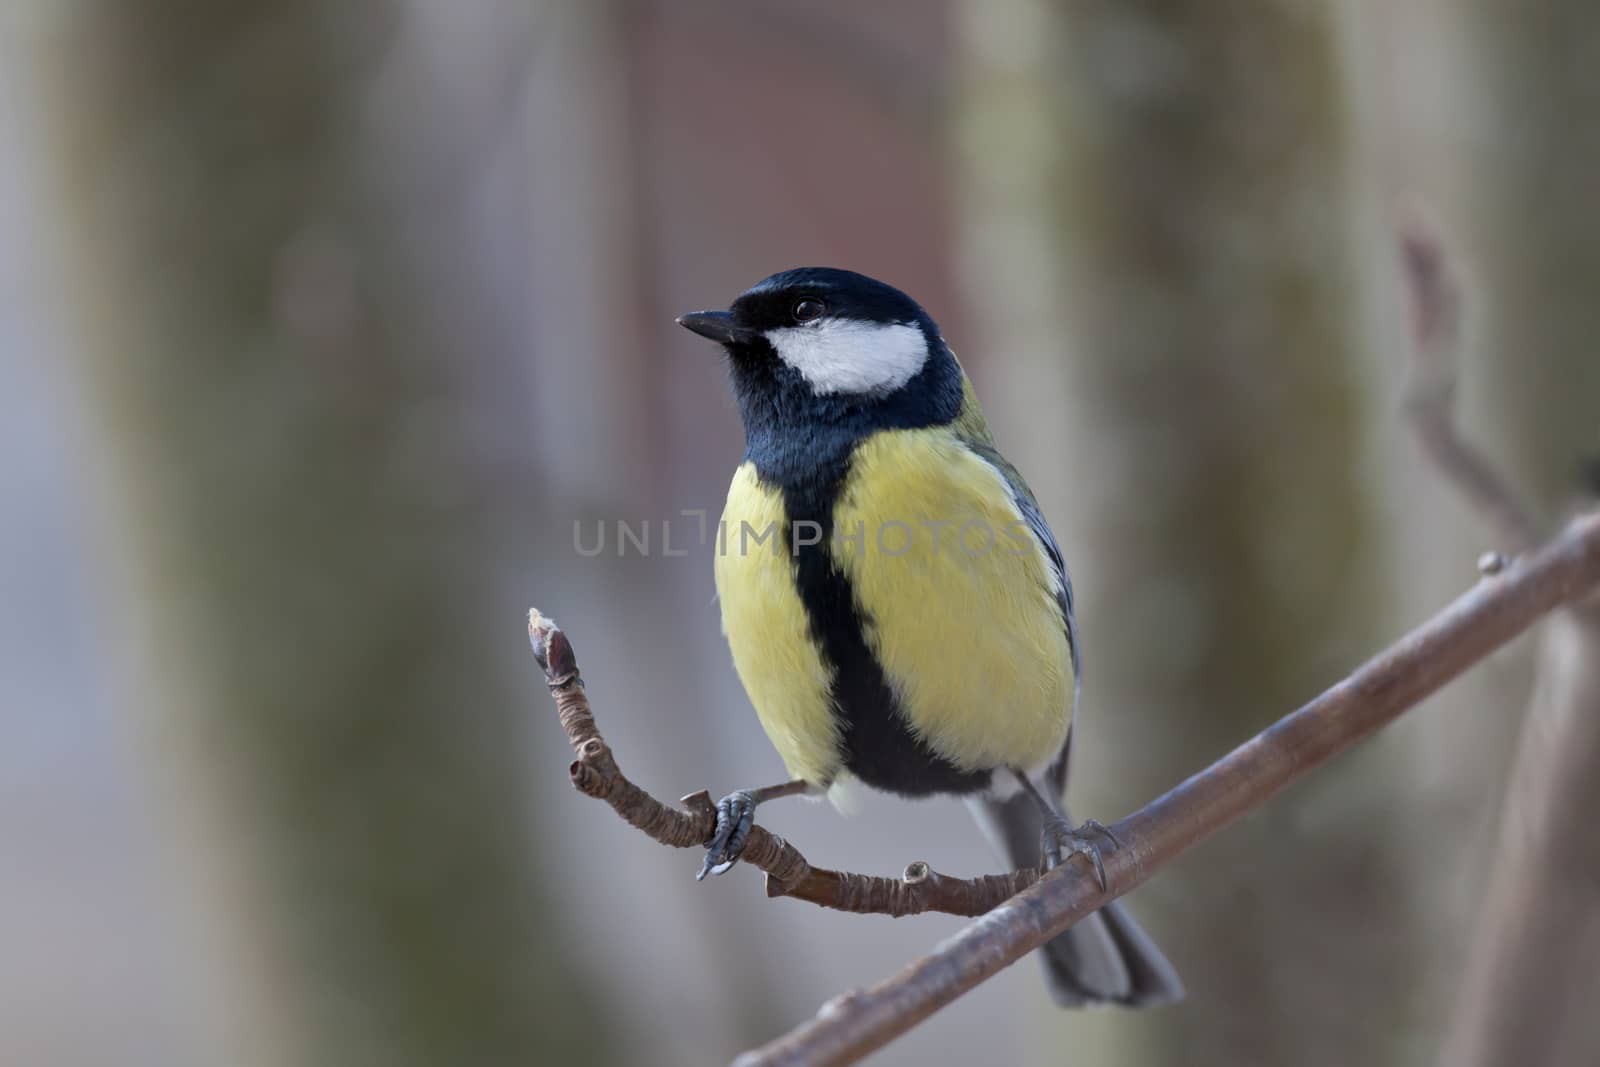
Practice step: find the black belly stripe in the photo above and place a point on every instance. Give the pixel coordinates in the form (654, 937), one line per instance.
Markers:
(879, 747)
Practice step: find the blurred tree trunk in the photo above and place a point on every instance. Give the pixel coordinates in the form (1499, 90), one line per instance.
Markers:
(1530, 74)
(1156, 223)
(282, 319)
(1480, 118)
(1528, 221)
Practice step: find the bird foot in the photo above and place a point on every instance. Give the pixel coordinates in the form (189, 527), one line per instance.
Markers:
(736, 813)
(1060, 841)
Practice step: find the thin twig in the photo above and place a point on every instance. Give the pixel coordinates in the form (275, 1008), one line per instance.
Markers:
(595, 773)
(1436, 336)
(1532, 975)
(1498, 609)
(1531, 972)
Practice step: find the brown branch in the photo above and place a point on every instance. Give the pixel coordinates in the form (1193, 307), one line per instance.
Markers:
(1436, 335)
(1022, 911)
(1532, 971)
(1480, 621)
(595, 773)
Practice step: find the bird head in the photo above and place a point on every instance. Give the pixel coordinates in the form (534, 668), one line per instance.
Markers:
(818, 345)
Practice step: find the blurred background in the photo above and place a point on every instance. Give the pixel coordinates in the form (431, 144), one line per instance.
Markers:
(326, 328)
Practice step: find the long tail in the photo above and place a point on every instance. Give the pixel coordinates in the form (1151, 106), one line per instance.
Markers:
(1104, 958)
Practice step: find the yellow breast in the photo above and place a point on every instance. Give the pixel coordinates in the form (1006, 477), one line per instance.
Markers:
(767, 630)
(960, 600)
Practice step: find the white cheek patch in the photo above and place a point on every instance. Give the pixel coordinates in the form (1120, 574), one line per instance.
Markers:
(838, 356)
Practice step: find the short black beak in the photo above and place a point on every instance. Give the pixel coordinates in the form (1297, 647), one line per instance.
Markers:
(717, 326)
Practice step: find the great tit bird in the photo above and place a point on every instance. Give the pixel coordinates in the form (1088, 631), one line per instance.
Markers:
(897, 608)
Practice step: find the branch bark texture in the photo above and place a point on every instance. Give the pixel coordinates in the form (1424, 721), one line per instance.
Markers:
(1022, 911)
(1499, 608)
(595, 773)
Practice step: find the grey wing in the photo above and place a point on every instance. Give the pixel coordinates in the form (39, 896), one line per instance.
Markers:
(1041, 530)
(1056, 773)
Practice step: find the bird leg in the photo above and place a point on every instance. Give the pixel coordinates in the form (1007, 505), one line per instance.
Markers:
(1060, 840)
(736, 813)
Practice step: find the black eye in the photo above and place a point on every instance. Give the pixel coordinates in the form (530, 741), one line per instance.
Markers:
(809, 310)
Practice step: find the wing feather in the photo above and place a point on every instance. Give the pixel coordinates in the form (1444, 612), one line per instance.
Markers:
(1029, 507)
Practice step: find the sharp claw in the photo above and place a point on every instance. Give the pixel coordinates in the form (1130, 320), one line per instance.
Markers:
(735, 817)
(1103, 830)
(1062, 842)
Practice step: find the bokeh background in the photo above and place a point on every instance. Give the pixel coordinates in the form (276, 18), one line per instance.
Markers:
(324, 325)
